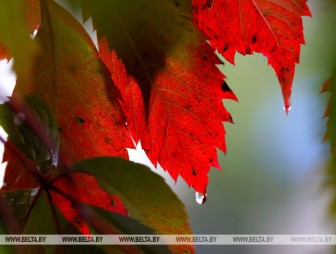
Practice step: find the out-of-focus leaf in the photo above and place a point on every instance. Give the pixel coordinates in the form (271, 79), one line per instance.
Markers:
(145, 194)
(330, 112)
(330, 135)
(17, 20)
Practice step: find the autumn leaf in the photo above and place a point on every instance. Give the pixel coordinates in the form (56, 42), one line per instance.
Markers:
(180, 86)
(83, 188)
(77, 87)
(273, 28)
(132, 103)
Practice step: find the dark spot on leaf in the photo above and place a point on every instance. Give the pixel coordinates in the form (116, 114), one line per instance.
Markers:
(210, 160)
(209, 3)
(225, 87)
(193, 171)
(282, 69)
(60, 129)
(188, 106)
(112, 203)
(79, 119)
(176, 154)
(226, 48)
(254, 39)
(204, 57)
(248, 50)
(107, 140)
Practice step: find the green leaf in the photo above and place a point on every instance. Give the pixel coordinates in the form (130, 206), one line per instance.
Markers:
(41, 221)
(19, 201)
(33, 131)
(105, 222)
(15, 35)
(145, 194)
(7, 227)
(31, 128)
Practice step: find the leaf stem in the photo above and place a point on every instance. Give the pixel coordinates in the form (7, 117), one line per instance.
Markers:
(53, 210)
(32, 205)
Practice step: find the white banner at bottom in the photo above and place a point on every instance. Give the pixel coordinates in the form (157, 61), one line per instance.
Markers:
(168, 240)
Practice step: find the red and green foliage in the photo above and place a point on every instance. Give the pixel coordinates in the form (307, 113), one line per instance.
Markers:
(154, 79)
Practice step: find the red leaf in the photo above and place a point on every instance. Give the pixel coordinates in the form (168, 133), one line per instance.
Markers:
(84, 188)
(186, 112)
(273, 28)
(131, 103)
(172, 76)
